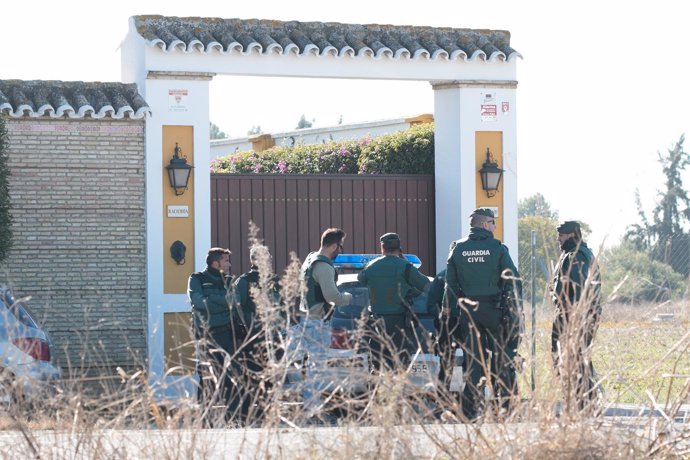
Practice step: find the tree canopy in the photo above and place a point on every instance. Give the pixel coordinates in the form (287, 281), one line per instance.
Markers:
(215, 132)
(536, 205)
(304, 123)
(672, 211)
(665, 236)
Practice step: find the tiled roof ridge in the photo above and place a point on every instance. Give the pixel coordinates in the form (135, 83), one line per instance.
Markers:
(246, 36)
(71, 99)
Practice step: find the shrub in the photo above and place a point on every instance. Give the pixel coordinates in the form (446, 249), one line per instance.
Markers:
(5, 205)
(637, 276)
(407, 152)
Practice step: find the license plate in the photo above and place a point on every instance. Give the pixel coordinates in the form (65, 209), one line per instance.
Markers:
(419, 368)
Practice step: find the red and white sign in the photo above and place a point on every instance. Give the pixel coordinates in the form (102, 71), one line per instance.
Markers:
(177, 100)
(488, 112)
(505, 106)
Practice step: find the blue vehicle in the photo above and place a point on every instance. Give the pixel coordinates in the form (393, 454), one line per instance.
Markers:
(348, 320)
(347, 369)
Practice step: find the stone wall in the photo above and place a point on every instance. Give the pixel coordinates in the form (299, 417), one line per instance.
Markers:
(77, 191)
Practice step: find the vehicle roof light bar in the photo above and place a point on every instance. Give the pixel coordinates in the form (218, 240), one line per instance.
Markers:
(358, 261)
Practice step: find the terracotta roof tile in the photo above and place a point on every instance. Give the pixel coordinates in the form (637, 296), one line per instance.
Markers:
(245, 36)
(71, 99)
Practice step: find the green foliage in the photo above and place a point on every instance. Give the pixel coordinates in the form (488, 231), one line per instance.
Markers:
(664, 235)
(215, 132)
(535, 214)
(5, 204)
(407, 152)
(547, 253)
(633, 276)
(672, 210)
(256, 129)
(536, 205)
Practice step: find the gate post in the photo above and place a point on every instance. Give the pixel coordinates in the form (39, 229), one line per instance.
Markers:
(467, 114)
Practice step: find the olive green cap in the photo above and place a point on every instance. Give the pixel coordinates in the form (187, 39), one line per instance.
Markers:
(390, 237)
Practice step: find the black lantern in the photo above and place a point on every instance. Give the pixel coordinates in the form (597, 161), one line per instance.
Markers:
(491, 175)
(179, 171)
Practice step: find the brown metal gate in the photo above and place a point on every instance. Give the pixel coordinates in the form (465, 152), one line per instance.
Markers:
(293, 210)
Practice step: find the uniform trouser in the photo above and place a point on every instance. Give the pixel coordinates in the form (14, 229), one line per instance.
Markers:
(450, 338)
(488, 361)
(575, 341)
(390, 340)
(250, 365)
(214, 348)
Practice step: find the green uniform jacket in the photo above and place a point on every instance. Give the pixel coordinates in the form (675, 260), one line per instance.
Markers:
(474, 269)
(246, 312)
(208, 293)
(435, 299)
(390, 279)
(572, 271)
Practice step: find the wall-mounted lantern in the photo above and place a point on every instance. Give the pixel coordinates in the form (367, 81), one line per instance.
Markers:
(179, 171)
(491, 175)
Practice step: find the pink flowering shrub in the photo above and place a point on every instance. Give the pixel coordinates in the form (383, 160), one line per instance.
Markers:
(407, 152)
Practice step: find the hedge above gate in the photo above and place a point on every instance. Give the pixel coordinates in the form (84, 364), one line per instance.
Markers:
(406, 152)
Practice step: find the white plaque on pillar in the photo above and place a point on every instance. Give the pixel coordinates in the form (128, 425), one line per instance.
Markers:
(178, 211)
(494, 209)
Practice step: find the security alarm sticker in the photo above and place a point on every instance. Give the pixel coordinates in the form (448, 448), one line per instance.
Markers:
(488, 112)
(177, 100)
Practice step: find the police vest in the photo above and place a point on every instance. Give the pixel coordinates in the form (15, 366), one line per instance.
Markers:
(478, 266)
(313, 294)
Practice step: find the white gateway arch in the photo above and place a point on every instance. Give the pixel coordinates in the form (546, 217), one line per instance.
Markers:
(172, 60)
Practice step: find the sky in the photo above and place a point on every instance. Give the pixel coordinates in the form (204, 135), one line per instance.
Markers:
(602, 86)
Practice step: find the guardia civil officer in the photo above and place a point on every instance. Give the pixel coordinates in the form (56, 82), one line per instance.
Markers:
(320, 296)
(481, 280)
(254, 326)
(577, 301)
(209, 292)
(391, 279)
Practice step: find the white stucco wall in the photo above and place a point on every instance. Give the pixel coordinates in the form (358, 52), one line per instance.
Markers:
(223, 147)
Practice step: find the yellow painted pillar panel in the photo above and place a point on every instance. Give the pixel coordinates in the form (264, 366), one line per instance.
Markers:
(178, 211)
(493, 140)
(178, 345)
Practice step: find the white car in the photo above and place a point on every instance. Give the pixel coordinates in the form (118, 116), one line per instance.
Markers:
(27, 372)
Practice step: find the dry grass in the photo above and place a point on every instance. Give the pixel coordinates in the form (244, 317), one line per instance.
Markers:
(638, 361)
